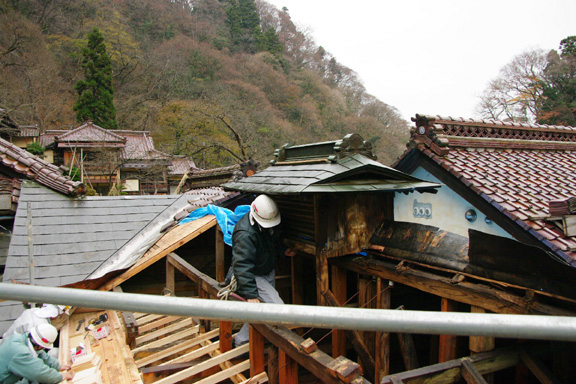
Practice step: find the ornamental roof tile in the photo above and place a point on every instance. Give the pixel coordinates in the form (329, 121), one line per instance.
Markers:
(518, 168)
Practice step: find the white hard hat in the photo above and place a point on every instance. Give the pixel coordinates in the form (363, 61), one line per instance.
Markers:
(44, 335)
(265, 211)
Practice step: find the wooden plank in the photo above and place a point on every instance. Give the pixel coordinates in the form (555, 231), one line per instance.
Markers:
(338, 284)
(491, 299)
(172, 240)
(230, 372)
(155, 321)
(256, 343)
(194, 354)
(408, 350)
(382, 350)
(168, 329)
(538, 369)
(288, 369)
(297, 267)
(470, 373)
(322, 278)
(448, 343)
(175, 349)
(147, 319)
(273, 365)
(259, 378)
(189, 372)
(167, 340)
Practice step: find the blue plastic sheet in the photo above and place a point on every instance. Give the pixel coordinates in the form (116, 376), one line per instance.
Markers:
(226, 218)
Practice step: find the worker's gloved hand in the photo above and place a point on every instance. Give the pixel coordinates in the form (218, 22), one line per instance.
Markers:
(68, 375)
(255, 300)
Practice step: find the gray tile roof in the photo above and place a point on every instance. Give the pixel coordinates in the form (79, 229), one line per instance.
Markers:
(73, 237)
(355, 173)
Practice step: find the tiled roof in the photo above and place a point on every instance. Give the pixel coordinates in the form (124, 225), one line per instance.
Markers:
(181, 165)
(90, 134)
(517, 168)
(32, 167)
(345, 165)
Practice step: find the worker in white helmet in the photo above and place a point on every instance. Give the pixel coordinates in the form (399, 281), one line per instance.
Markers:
(23, 358)
(255, 248)
(47, 314)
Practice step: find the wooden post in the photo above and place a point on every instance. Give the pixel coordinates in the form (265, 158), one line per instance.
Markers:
(297, 286)
(447, 349)
(479, 343)
(220, 264)
(382, 358)
(273, 366)
(288, 369)
(170, 277)
(322, 277)
(256, 352)
(225, 336)
(339, 291)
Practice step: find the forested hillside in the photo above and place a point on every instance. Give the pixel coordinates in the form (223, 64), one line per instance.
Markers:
(220, 80)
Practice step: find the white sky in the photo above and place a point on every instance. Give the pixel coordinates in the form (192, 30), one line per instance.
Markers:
(431, 56)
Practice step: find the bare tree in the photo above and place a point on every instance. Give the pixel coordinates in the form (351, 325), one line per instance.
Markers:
(514, 95)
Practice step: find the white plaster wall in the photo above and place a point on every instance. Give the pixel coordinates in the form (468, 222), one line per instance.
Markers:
(448, 210)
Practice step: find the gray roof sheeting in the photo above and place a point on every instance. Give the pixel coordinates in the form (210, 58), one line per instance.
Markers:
(356, 173)
(73, 237)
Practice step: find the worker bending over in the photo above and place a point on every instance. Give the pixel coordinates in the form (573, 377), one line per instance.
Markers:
(23, 358)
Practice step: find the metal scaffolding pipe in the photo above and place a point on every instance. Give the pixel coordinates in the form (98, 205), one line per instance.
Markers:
(424, 322)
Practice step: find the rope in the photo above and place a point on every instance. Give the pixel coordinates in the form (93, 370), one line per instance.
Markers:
(225, 292)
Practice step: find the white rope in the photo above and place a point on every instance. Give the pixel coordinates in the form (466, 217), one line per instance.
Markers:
(225, 292)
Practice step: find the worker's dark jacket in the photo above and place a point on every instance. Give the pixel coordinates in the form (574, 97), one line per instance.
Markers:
(254, 252)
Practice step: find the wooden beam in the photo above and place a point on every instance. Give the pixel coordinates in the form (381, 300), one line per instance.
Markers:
(339, 289)
(273, 365)
(470, 373)
(539, 370)
(448, 343)
(489, 298)
(322, 278)
(317, 362)
(256, 343)
(220, 252)
(382, 350)
(204, 282)
(297, 267)
(172, 240)
(288, 369)
(451, 372)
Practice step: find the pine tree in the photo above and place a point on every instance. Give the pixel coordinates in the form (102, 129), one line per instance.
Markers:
(96, 93)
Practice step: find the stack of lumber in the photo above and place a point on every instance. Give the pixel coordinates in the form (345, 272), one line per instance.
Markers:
(562, 207)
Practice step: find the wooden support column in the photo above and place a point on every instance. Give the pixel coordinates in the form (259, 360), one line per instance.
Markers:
(382, 358)
(447, 349)
(220, 263)
(225, 336)
(297, 266)
(256, 352)
(480, 344)
(322, 277)
(273, 366)
(339, 291)
(288, 369)
(170, 278)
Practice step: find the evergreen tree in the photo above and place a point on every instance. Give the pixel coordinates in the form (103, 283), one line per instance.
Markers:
(96, 92)
(559, 86)
(244, 24)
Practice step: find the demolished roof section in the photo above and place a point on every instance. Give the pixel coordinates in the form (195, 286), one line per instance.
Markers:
(517, 169)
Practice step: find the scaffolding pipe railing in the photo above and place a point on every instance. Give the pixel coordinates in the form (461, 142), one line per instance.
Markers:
(423, 322)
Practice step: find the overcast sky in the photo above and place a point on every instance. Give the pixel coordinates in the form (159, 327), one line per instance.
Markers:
(431, 56)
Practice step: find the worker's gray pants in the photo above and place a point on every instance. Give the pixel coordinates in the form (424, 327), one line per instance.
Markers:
(267, 294)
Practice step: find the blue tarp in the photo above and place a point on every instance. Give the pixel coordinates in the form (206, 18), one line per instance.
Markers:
(226, 218)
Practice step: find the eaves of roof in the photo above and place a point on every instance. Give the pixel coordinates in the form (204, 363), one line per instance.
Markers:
(515, 168)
